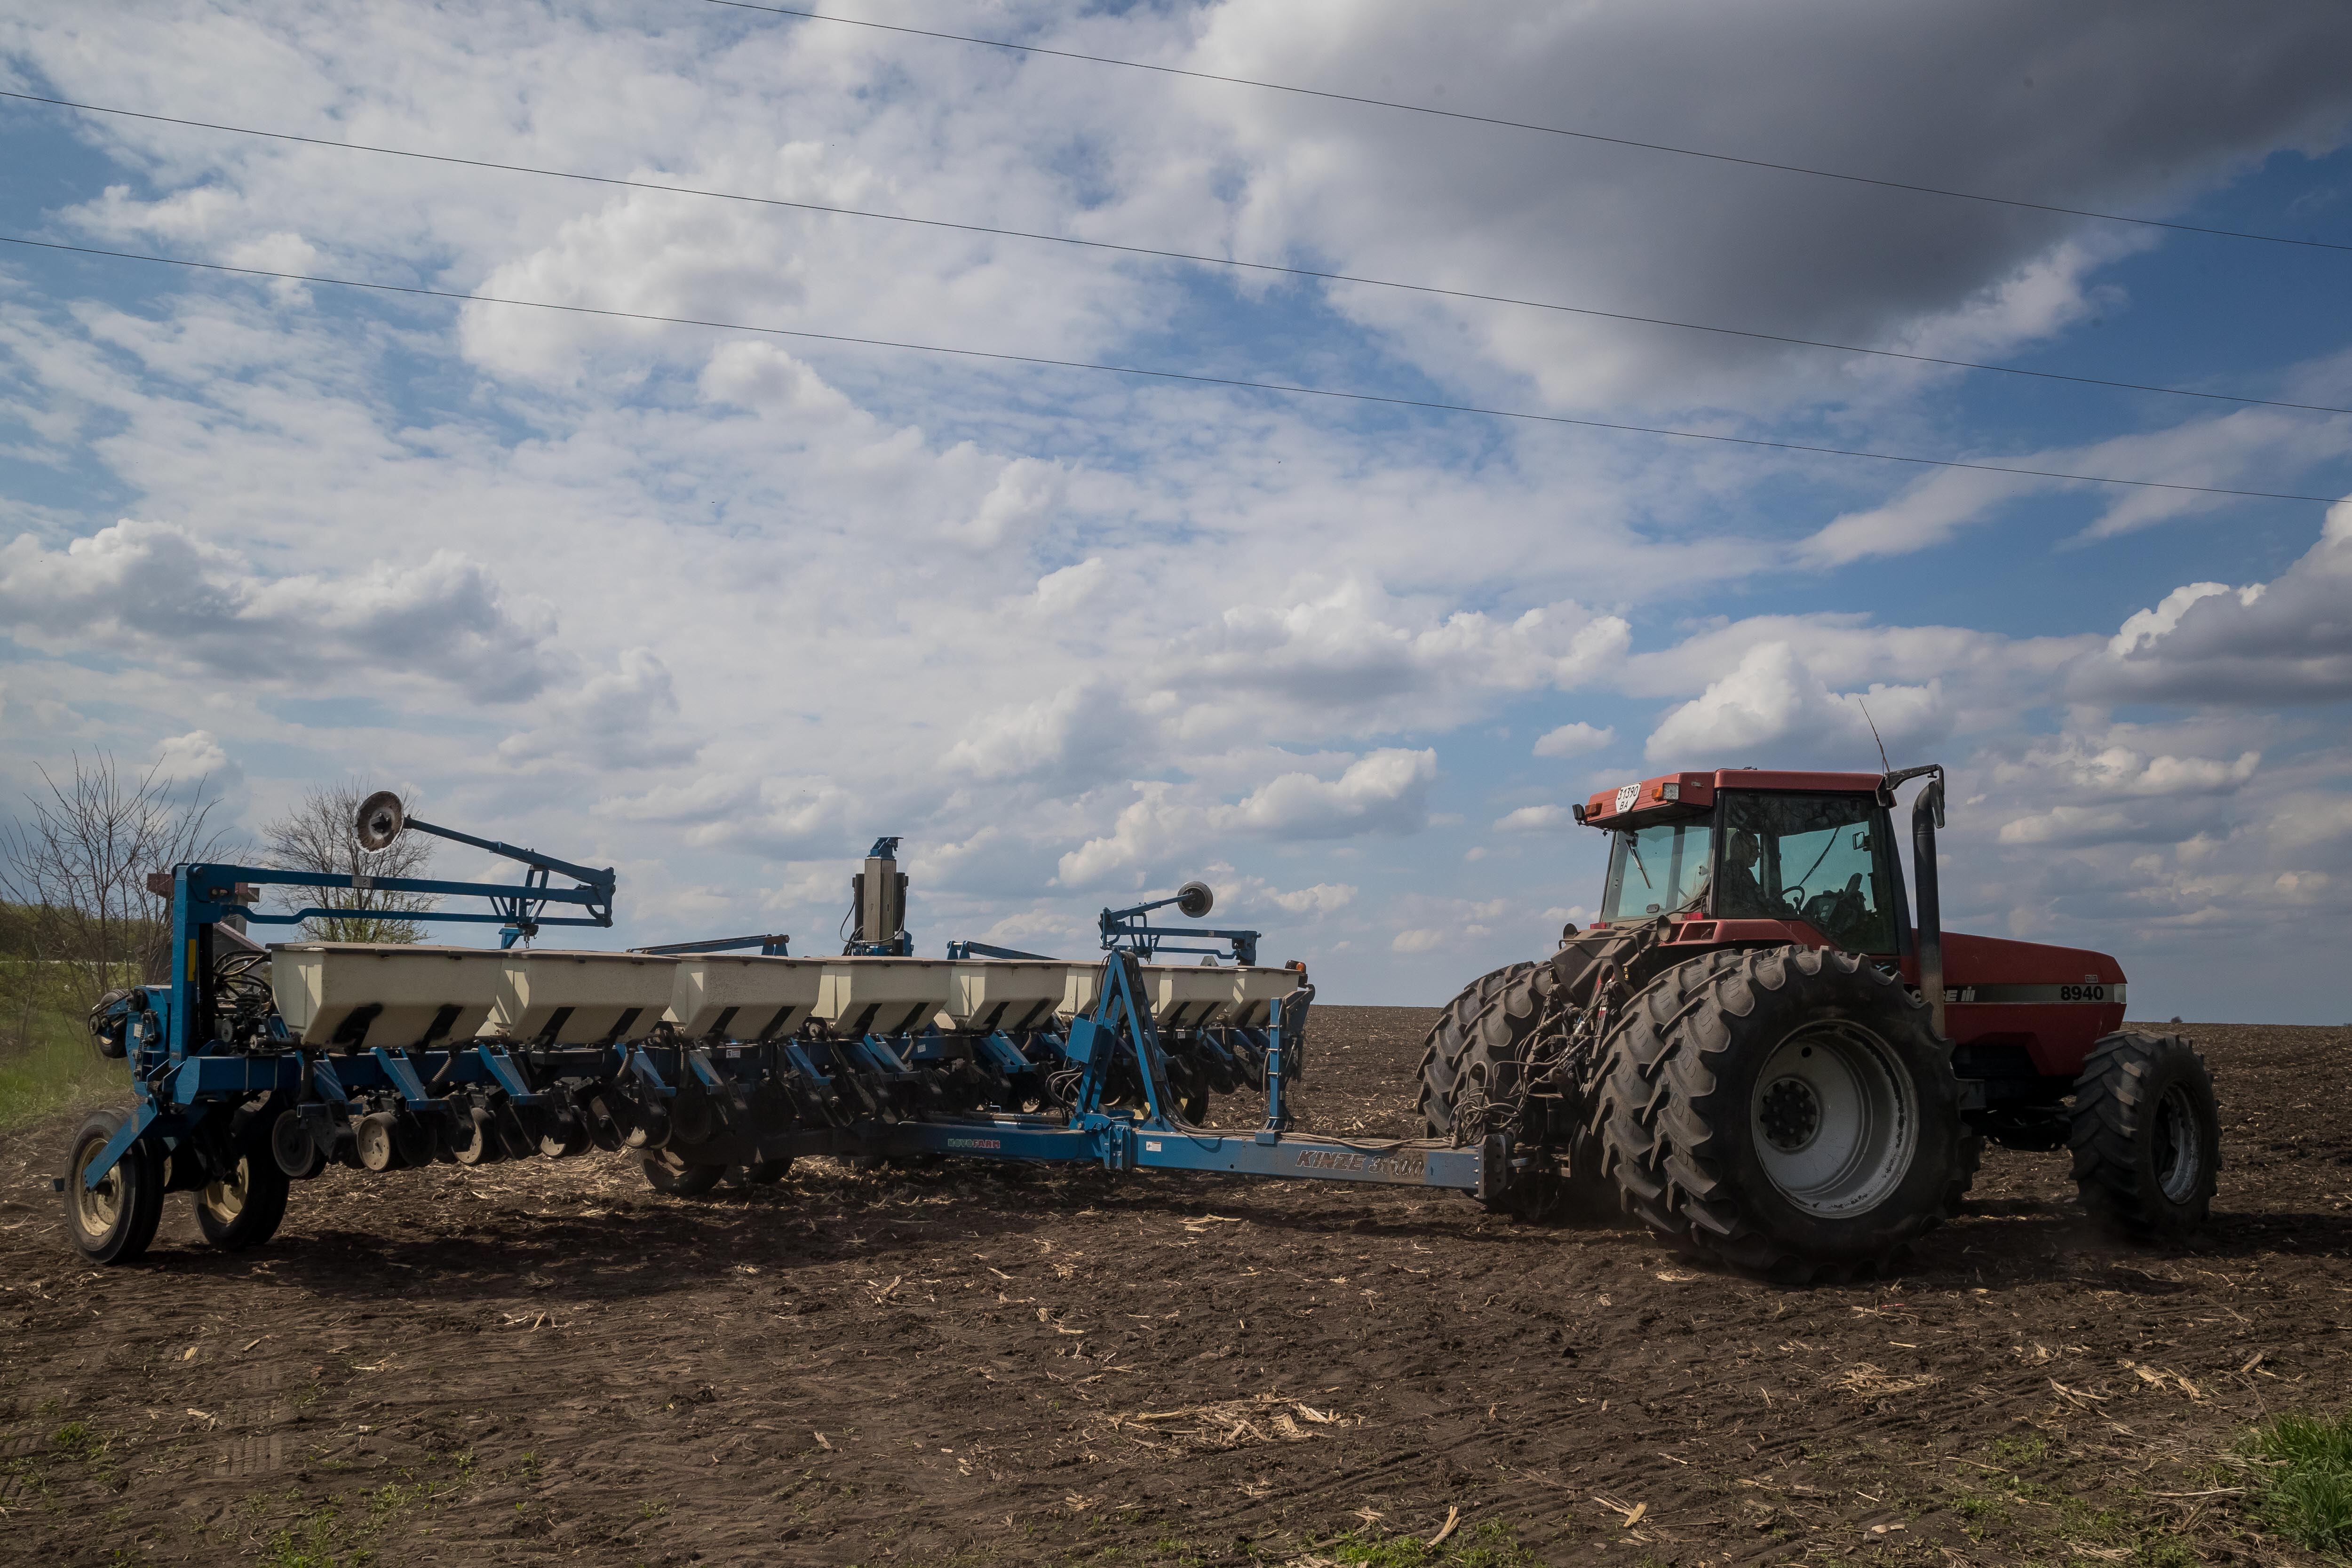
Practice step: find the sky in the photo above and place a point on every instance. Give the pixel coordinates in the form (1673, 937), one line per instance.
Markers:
(718, 606)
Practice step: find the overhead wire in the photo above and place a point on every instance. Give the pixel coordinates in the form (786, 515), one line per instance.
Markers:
(1284, 388)
(1190, 257)
(1545, 130)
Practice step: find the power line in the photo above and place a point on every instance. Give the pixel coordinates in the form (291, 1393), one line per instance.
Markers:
(1173, 256)
(1284, 387)
(1546, 130)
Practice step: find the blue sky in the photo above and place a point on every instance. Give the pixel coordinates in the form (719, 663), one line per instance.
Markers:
(720, 609)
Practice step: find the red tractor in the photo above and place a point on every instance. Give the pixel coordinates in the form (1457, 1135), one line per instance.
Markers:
(1762, 1052)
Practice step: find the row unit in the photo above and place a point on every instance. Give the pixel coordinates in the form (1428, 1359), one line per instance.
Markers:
(388, 993)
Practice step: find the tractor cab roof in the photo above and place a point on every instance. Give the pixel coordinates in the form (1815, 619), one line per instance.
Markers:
(1672, 795)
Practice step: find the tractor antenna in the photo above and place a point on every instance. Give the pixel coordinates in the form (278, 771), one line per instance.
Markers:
(1884, 765)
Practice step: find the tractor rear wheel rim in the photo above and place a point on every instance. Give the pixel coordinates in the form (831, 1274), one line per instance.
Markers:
(1836, 1120)
(97, 1209)
(2179, 1158)
(225, 1199)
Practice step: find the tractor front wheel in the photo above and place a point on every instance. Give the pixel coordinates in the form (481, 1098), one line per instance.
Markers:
(2147, 1135)
(1787, 1112)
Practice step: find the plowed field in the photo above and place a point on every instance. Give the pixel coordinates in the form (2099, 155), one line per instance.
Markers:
(547, 1363)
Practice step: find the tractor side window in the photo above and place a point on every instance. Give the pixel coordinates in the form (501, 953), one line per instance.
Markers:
(1814, 857)
(1655, 869)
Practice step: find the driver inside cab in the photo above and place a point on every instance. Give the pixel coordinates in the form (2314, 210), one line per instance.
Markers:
(1737, 894)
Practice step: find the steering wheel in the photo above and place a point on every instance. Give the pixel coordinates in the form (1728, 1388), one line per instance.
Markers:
(1836, 915)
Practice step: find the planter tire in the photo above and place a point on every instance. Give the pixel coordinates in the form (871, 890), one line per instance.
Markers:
(677, 1178)
(243, 1206)
(116, 1222)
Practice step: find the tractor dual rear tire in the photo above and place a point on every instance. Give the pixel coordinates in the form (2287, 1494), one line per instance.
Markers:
(1475, 1053)
(2147, 1136)
(1445, 1055)
(1786, 1111)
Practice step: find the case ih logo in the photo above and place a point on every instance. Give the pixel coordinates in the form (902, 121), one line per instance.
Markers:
(1377, 1165)
(1627, 796)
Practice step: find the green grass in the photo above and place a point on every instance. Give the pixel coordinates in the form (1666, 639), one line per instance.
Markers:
(77, 1440)
(2020, 1450)
(1490, 1545)
(2302, 1485)
(312, 1540)
(57, 1072)
(325, 1535)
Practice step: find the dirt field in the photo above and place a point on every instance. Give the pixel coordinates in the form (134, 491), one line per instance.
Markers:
(547, 1362)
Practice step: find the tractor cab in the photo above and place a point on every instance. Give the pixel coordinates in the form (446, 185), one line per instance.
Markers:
(1810, 850)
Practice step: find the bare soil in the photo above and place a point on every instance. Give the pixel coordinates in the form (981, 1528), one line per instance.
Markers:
(546, 1362)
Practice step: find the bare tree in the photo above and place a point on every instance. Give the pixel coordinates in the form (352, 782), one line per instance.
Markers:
(79, 869)
(317, 835)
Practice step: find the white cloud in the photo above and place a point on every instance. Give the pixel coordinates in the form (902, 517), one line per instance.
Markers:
(621, 718)
(2287, 640)
(1077, 733)
(1574, 741)
(1536, 819)
(2152, 626)
(1356, 654)
(195, 755)
(1322, 898)
(2243, 450)
(161, 589)
(1025, 494)
(1060, 591)
(1773, 708)
(1383, 792)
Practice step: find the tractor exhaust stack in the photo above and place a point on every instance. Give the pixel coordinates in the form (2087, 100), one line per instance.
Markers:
(1926, 816)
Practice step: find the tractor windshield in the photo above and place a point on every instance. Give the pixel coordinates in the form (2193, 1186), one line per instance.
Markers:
(1815, 858)
(1656, 869)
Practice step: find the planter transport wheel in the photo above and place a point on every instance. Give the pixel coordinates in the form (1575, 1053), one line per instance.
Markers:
(114, 1221)
(764, 1174)
(242, 1206)
(666, 1172)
